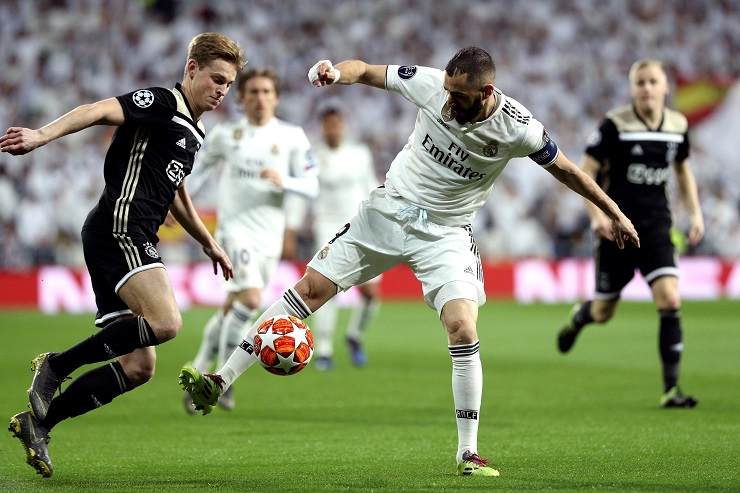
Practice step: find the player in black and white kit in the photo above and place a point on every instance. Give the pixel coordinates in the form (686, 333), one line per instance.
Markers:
(631, 156)
(466, 132)
(159, 133)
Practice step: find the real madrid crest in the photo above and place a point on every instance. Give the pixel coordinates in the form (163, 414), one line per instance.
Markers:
(274, 149)
(491, 149)
(324, 252)
(238, 133)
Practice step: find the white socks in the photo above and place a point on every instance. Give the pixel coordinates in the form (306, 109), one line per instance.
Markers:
(209, 344)
(244, 357)
(361, 317)
(234, 324)
(467, 388)
(324, 322)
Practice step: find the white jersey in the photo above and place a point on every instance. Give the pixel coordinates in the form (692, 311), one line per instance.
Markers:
(248, 204)
(447, 168)
(346, 177)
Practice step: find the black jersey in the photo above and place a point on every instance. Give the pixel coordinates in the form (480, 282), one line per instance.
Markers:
(150, 155)
(636, 161)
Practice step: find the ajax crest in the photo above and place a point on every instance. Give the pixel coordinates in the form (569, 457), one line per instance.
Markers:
(150, 250)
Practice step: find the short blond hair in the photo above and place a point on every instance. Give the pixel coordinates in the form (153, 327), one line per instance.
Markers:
(207, 47)
(643, 63)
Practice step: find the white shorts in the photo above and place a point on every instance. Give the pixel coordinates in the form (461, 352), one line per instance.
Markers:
(324, 232)
(387, 231)
(252, 268)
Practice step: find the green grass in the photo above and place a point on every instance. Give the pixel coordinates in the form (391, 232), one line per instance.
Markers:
(585, 422)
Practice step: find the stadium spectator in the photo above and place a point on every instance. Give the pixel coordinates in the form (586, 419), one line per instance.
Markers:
(97, 48)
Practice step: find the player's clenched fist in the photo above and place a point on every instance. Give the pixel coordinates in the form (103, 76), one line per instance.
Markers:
(19, 140)
(323, 73)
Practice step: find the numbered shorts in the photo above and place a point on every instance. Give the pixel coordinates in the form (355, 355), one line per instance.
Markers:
(655, 258)
(252, 267)
(325, 232)
(111, 260)
(387, 231)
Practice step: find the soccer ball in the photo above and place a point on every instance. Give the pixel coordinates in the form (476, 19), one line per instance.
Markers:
(284, 345)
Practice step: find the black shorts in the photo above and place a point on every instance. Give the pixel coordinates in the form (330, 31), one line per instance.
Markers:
(111, 260)
(655, 258)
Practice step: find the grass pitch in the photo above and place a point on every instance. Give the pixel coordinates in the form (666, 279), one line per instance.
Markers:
(585, 422)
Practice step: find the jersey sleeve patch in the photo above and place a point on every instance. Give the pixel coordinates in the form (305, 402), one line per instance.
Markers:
(143, 98)
(151, 105)
(547, 154)
(406, 71)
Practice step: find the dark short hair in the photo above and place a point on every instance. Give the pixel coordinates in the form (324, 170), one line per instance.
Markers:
(474, 61)
(330, 111)
(254, 72)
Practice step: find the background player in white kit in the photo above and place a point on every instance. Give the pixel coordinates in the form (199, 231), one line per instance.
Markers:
(346, 178)
(466, 131)
(262, 158)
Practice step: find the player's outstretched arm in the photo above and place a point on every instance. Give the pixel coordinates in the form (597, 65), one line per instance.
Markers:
(184, 211)
(19, 140)
(324, 73)
(690, 195)
(570, 175)
(600, 223)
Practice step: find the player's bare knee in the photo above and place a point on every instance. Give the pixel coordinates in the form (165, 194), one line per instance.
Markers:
(369, 291)
(166, 327)
(139, 370)
(670, 303)
(251, 298)
(602, 314)
(315, 289)
(460, 330)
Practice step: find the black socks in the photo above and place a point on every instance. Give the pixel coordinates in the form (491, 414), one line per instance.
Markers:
(119, 338)
(670, 345)
(89, 391)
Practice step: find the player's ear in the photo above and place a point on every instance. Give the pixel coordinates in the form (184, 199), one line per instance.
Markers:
(191, 68)
(487, 91)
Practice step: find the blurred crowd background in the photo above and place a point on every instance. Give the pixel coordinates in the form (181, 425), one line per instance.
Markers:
(566, 60)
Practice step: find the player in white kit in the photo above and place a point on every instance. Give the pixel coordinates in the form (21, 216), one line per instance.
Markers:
(465, 133)
(260, 159)
(346, 178)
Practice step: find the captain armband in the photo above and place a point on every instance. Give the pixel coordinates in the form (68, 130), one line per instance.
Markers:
(545, 156)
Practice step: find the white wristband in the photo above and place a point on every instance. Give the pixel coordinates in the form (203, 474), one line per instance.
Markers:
(313, 72)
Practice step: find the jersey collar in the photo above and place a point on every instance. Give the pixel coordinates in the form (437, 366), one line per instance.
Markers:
(270, 122)
(656, 129)
(178, 86)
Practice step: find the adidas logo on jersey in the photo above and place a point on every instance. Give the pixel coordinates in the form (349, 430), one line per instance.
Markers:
(637, 150)
(469, 270)
(181, 143)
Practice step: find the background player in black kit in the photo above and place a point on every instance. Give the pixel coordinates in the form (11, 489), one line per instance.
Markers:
(630, 156)
(153, 149)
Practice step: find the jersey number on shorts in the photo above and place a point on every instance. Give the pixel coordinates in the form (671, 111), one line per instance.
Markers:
(344, 229)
